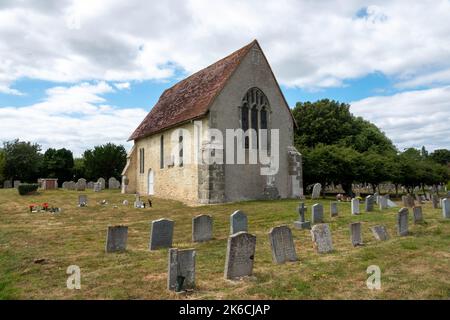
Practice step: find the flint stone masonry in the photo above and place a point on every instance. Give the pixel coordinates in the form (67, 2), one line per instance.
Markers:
(380, 233)
(161, 234)
(202, 228)
(355, 232)
(317, 213)
(321, 237)
(181, 269)
(282, 244)
(402, 222)
(238, 222)
(317, 188)
(368, 203)
(446, 208)
(240, 255)
(301, 223)
(417, 214)
(116, 239)
(333, 209)
(355, 206)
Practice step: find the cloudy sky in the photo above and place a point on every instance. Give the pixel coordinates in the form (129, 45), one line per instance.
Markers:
(76, 74)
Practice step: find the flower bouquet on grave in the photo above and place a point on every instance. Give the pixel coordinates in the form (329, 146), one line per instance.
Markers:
(45, 206)
(32, 207)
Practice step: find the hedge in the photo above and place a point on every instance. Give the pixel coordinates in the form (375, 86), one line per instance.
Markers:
(26, 188)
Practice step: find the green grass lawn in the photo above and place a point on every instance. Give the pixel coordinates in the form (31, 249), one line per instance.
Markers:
(413, 267)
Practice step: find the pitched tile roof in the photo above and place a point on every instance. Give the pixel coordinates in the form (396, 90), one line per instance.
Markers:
(190, 98)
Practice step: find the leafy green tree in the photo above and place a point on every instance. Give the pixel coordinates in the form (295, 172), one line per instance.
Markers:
(375, 169)
(2, 165)
(58, 164)
(441, 156)
(79, 171)
(105, 161)
(22, 160)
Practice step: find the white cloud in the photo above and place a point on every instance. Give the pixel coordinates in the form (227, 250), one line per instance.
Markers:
(122, 85)
(311, 44)
(71, 117)
(411, 119)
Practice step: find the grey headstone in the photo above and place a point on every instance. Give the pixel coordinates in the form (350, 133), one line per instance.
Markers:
(382, 201)
(321, 237)
(240, 255)
(161, 234)
(402, 222)
(116, 239)
(417, 214)
(7, 184)
(113, 183)
(71, 185)
(80, 185)
(202, 228)
(376, 197)
(282, 244)
(17, 183)
(333, 209)
(408, 201)
(418, 198)
(368, 203)
(301, 223)
(428, 196)
(102, 182)
(317, 188)
(355, 206)
(238, 222)
(446, 208)
(82, 200)
(90, 185)
(64, 185)
(356, 236)
(181, 269)
(391, 204)
(380, 233)
(317, 213)
(97, 186)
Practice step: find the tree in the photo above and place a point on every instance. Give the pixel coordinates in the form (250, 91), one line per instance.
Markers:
(105, 161)
(79, 171)
(58, 164)
(2, 165)
(22, 160)
(441, 156)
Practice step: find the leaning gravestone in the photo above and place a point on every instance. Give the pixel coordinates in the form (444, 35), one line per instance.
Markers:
(238, 222)
(380, 233)
(102, 182)
(333, 209)
(116, 239)
(446, 208)
(402, 222)
(417, 214)
(368, 203)
(301, 223)
(161, 234)
(382, 200)
(240, 255)
(355, 206)
(391, 204)
(317, 213)
(202, 227)
(81, 184)
(97, 187)
(356, 236)
(82, 200)
(321, 237)
(181, 269)
(317, 188)
(282, 244)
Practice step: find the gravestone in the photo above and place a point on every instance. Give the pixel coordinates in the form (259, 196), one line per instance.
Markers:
(435, 201)
(418, 198)
(391, 204)
(82, 200)
(317, 213)
(333, 209)
(80, 185)
(64, 185)
(240, 255)
(382, 201)
(428, 196)
(7, 184)
(368, 203)
(181, 269)
(16, 183)
(202, 228)
(408, 201)
(113, 183)
(161, 234)
(355, 232)
(376, 196)
(97, 186)
(317, 188)
(71, 185)
(301, 223)
(238, 222)
(446, 208)
(282, 244)
(380, 233)
(355, 206)
(417, 214)
(90, 185)
(116, 239)
(402, 222)
(321, 237)
(102, 183)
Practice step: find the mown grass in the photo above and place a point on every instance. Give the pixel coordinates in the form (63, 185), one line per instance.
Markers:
(413, 267)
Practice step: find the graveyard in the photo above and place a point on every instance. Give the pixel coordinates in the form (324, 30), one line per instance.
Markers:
(36, 248)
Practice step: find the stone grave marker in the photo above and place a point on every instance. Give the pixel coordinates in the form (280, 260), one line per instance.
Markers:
(417, 214)
(368, 203)
(202, 228)
(102, 183)
(356, 235)
(97, 187)
(446, 208)
(380, 233)
(282, 244)
(321, 237)
(240, 255)
(90, 185)
(7, 184)
(113, 183)
(116, 239)
(301, 223)
(16, 183)
(80, 185)
(382, 200)
(181, 269)
(317, 213)
(82, 200)
(238, 222)
(355, 206)
(317, 188)
(402, 222)
(334, 209)
(161, 234)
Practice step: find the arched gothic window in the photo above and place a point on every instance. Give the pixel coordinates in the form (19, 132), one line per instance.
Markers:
(255, 111)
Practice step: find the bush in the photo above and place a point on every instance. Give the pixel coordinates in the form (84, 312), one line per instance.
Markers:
(27, 188)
